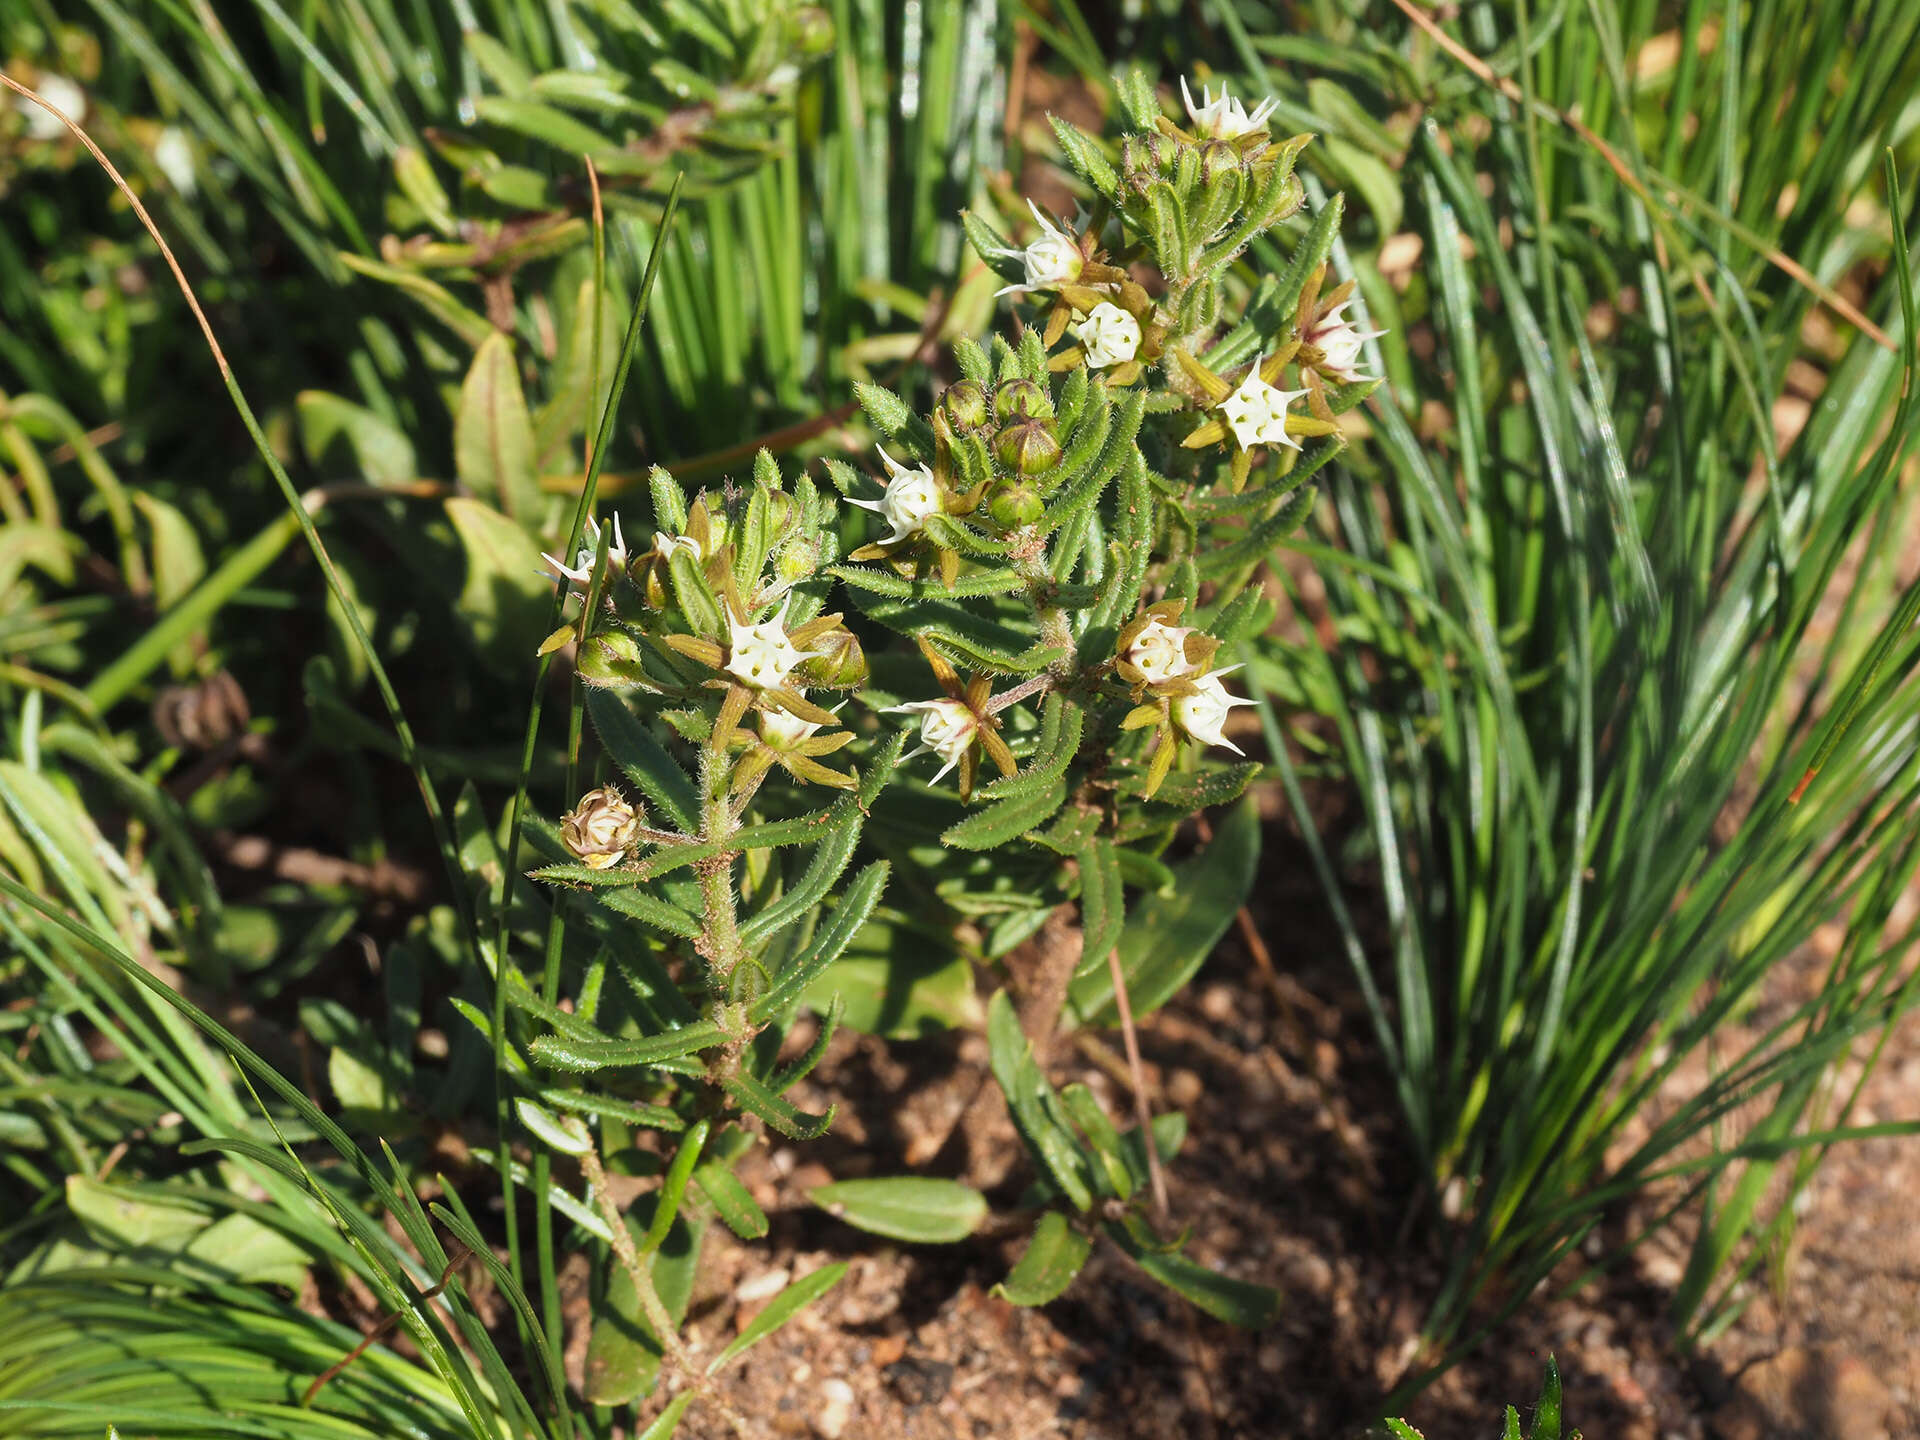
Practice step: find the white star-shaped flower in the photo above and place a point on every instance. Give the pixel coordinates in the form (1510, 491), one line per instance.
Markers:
(1225, 118)
(1052, 259)
(1108, 336)
(912, 496)
(947, 727)
(1340, 343)
(1257, 412)
(581, 571)
(762, 655)
(1203, 714)
(1159, 651)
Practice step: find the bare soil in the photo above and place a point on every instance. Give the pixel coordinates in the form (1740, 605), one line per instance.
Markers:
(1292, 1176)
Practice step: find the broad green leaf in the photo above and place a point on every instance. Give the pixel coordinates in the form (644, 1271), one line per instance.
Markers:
(370, 1097)
(1037, 1111)
(493, 437)
(146, 1222)
(1168, 936)
(623, 1353)
(240, 1248)
(505, 601)
(894, 982)
(335, 433)
(178, 563)
(918, 1208)
(126, 1220)
(47, 548)
(784, 1306)
(1052, 1258)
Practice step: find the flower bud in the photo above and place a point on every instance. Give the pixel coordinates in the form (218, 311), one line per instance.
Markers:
(611, 657)
(1027, 447)
(601, 828)
(1013, 503)
(839, 662)
(797, 559)
(965, 404)
(1021, 399)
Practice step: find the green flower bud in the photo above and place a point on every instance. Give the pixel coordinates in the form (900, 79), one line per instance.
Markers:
(965, 405)
(1028, 447)
(1013, 503)
(839, 664)
(612, 658)
(1021, 400)
(797, 559)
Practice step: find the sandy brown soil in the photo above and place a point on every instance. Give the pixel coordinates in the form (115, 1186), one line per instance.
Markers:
(1292, 1178)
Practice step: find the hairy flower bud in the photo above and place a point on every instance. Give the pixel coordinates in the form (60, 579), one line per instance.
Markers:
(839, 662)
(610, 657)
(601, 828)
(1028, 447)
(1020, 399)
(965, 404)
(1013, 503)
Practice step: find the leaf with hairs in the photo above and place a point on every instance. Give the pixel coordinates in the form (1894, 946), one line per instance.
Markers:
(1047, 1266)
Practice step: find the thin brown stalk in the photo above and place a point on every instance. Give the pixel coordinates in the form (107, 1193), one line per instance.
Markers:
(457, 1254)
(1142, 1111)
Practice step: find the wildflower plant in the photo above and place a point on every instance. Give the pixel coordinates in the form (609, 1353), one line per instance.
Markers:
(1058, 558)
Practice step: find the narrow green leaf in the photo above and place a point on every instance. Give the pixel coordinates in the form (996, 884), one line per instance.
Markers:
(1237, 1302)
(731, 1200)
(783, 1307)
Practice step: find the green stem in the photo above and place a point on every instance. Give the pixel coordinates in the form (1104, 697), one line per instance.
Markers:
(723, 948)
